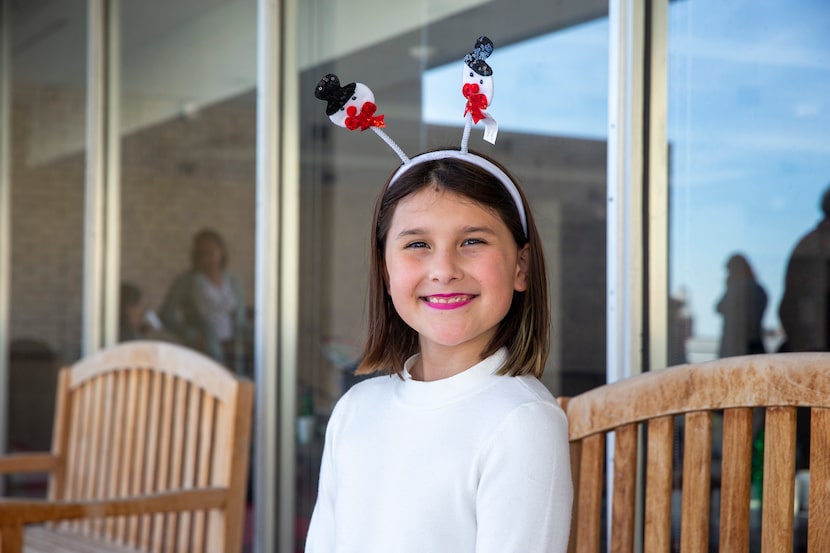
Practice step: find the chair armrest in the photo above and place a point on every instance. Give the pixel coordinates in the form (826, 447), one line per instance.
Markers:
(28, 462)
(16, 512)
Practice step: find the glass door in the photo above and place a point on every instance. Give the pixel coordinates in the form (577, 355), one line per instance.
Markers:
(550, 74)
(749, 189)
(48, 145)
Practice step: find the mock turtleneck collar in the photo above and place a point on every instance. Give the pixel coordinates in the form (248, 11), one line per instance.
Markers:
(446, 390)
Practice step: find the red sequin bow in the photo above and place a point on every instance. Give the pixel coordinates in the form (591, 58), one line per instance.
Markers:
(475, 102)
(365, 118)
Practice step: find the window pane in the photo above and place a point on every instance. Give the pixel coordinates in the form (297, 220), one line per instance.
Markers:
(188, 176)
(550, 74)
(47, 201)
(188, 179)
(750, 132)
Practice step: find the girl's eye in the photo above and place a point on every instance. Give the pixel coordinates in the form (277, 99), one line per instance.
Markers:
(473, 241)
(471, 74)
(417, 245)
(481, 81)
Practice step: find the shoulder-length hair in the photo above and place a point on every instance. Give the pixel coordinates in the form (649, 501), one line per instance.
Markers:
(524, 331)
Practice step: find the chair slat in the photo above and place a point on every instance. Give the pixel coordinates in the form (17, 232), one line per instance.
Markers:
(818, 518)
(127, 468)
(162, 457)
(576, 463)
(131, 468)
(90, 465)
(179, 422)
(60, 436)
(657, 534)
(153, 443)
(590, 494)
(240, 409)
(625, 489)
(76, 450)
(118, 436)
(574, 456)
(190, 446)
(697, 459)
(76, 445)
(220, 474)
(779, 479)
(205, 464)
(735, 479)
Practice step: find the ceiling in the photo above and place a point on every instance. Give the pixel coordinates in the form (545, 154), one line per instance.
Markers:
(179, 56)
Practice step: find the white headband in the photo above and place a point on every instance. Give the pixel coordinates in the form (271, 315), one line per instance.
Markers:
(478, 161)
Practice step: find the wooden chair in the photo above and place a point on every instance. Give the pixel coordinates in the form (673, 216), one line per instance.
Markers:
(150, 453)
(641, 412)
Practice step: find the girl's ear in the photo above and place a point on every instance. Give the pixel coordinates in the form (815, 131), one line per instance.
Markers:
(522, 268)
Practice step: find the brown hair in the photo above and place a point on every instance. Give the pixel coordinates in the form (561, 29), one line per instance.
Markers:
(524, 331)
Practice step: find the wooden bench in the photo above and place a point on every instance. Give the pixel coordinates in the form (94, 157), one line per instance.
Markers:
(150, 453)
(642, 413)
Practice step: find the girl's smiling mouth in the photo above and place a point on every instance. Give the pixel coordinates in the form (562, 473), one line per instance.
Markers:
(448, 301)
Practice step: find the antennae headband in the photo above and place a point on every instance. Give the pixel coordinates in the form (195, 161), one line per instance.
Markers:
(478, 161)
(353, 107)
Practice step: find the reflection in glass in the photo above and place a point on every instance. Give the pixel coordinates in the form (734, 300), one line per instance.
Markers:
(805, 308)
(188, 182)
(742, 308)
(205, 305)
(188, 176)
(749, 134)
(48, 88)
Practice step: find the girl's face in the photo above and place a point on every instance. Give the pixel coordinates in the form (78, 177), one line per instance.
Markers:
(452, 267)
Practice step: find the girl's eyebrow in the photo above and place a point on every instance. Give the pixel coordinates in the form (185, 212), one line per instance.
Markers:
(473, 230)
(410, 232)
(466, 230)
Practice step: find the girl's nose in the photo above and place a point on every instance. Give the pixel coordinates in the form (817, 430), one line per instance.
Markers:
(444, 267)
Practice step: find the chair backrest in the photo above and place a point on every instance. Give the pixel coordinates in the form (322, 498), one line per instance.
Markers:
(144, 417)
(643, 414)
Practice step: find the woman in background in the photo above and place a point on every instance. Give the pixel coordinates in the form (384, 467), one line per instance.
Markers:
(205, 306)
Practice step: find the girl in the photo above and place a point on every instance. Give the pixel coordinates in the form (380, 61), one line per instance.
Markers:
(458, 447)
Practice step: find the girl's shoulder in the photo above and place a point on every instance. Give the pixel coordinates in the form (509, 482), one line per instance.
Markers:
(524, 389)
(368, 389)
(528, 403)
(366, 396)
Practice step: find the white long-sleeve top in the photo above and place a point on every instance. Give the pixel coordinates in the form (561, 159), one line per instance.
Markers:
(474, 463)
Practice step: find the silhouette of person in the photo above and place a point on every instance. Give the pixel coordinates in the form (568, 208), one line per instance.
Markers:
(680, 329)
(132, 324)
(805, 308)
(135, 320)
(205, 306)
(742, 307)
